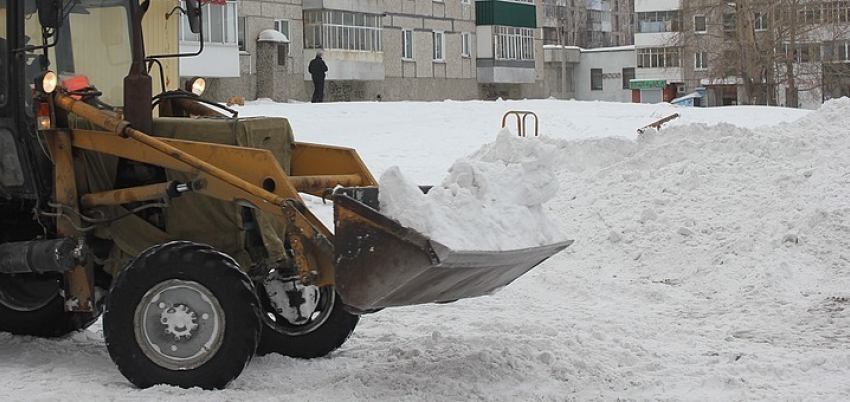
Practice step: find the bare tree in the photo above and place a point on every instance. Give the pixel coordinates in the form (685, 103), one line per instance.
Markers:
(768, 44)
(570, 20)
(730, 40)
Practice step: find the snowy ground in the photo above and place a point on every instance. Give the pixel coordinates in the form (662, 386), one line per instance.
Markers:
(712, 262)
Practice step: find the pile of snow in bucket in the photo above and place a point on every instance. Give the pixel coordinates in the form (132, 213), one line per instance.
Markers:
(491, 200)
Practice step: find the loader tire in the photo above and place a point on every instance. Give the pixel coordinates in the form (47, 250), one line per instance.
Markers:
(327, 332)
(31, 304)
(182, 314)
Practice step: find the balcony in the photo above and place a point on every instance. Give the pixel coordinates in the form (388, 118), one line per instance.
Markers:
(506, 13)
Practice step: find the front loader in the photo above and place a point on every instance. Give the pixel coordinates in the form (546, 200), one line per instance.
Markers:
(187, 230)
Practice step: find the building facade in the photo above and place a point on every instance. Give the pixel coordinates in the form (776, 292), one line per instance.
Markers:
(429, 50)
(401, 49)
(392, 50)
(782, 52)
(788, 53)
(659, 72)
(605, 74)
(587, 23)
(767, 52)
(507, 62)
(601, 74)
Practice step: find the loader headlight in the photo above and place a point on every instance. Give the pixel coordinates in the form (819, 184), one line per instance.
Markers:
(196, 85)
(46, 82)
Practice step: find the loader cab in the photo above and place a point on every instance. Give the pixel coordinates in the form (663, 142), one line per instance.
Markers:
(83, 41)
(22, 176)
(92, 40)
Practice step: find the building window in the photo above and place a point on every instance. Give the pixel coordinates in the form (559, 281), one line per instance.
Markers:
(700, 25)
(809, 14)
(406, 44)
(837, 12)
(514, 43)
(464, 44)
(658, 57)
(466, 2)
(219, 25)
(659, 21)
(836, 51)
(282, 54)
(439, 45)
(240, 36)
(594, 18)
(628, 76)
(701, 61)
(729, 22)
(282, 26)
(3, 64)
(595, 79)
(550, 36)
(803, 52)
(342, 30)
(760, 22)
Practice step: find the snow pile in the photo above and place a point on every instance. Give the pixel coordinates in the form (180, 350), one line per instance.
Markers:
(718, 257)
(712, 263)
(721, 201)
(491, 200)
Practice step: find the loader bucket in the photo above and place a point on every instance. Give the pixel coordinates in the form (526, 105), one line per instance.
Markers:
(380, 263)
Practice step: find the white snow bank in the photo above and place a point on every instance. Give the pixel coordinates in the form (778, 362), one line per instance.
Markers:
(712, 264)
(491, 200)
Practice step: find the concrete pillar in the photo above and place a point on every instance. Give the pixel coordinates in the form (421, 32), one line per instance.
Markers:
(272, 51)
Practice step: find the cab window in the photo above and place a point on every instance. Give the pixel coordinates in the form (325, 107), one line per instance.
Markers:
(4, 55)
(94, 41)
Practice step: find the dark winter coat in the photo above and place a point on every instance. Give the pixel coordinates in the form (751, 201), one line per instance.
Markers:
(318, 68)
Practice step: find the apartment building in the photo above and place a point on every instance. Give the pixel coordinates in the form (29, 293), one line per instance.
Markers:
(788, 53)
(398, 49)
(659, 75)
(605, 74)
(429, 51)
(572, 27)
(717, 52)
(508, 63)
(349, 33)
(587, 24)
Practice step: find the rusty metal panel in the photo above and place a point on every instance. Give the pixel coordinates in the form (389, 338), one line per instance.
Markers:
(161, 37)
(79, 282)
(315, 160)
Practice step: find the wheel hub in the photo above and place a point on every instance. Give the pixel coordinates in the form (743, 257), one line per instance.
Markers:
(179, 321)
(290, 299)
(179, 324)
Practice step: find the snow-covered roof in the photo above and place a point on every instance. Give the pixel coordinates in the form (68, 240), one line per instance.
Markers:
(691, 95)
(609, 49)
(271, 35)
(561, 47)
(596, 49)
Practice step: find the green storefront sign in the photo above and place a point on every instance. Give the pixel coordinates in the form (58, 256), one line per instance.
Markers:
(647, 84)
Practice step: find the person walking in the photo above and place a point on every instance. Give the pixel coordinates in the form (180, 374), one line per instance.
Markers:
(317, 70)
